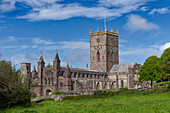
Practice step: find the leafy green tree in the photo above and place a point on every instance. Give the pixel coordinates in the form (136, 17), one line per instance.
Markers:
(165, 58)
(12, 89)
(150, 70)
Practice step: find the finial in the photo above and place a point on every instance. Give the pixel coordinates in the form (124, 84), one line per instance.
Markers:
(105, 28)
(41, 58)
(87, 66)
(34, 69)
(56, 56)
(67, 64)
(117, 31)
(97, 29)
(90, 31)
(111, 43)
(41, 54)
(112, 30)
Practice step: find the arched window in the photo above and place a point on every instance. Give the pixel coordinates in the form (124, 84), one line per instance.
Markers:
(91, 85)
(105, 86)
(98, 86)
(112, 86)
(45, 81)
(112, 56)
(122, 84)
(73, 86)
(52, 80)
(49, 81)
(98, 56)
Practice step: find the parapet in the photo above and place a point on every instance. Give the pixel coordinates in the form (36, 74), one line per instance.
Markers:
(104, 32)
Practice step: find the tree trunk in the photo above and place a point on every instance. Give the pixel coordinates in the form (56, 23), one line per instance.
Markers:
(151, 83)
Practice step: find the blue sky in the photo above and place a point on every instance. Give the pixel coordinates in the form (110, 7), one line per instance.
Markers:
(28, 27)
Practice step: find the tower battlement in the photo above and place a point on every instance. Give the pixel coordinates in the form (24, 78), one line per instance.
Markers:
(104, 51)
(104, 32)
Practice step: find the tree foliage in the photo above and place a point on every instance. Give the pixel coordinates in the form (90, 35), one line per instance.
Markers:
(151, 70)
(165, 57)
(12, 89)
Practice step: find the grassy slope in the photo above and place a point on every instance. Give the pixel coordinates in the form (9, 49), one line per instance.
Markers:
(132, 104)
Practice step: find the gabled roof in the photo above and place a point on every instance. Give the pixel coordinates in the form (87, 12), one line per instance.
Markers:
(122, 67)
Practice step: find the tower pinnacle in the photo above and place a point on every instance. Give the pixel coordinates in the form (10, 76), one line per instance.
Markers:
(41, 58)
(34, 69)
(56, 56)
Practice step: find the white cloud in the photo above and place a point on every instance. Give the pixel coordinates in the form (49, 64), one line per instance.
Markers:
(1, 21)
(2, 27)
(123, 41)
(20, 58)
(41, 41)
(145, 51)
(61, 12)
(7, 5)
(136, 22)
(14, 47)
(160, 11)
(144, 8)
(120, 3)
(11, 38)
(54, 10)
(122, 61)
(68, 45)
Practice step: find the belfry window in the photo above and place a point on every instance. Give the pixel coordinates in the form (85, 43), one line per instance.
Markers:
(45, 81)
(49, 81)
(98, 56)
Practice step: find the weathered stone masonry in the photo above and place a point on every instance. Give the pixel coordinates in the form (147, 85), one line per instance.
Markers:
(105, 71)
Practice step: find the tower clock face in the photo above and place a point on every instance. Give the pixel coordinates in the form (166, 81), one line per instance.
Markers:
(98, 48)
(112, 48)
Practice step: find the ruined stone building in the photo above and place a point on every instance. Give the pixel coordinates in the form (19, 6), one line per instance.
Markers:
(105, 72)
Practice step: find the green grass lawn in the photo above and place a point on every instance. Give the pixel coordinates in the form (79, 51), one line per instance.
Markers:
(154, 103)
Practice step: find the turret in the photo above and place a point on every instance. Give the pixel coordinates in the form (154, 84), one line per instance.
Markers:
(34, 72)
(67, 71)
(56, 61)
(41, 63)
(67, 78)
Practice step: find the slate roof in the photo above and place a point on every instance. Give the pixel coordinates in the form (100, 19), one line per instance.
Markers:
(121, 67)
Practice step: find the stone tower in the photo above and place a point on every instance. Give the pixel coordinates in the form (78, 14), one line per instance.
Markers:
(41, 65)
(25, 71)
(104, 50)
(25, 68)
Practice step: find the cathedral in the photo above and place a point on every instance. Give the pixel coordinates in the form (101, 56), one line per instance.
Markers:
(104, 73)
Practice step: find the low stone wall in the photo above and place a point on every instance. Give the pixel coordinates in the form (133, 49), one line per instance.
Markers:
(59, 97)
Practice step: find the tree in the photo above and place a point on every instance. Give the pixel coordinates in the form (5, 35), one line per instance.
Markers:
(166, 70)
(12, 89)
(150, 70)
(165, 58)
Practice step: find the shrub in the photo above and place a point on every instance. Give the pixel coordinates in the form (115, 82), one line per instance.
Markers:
(120, 92)
(13, 88)
(98, 92)
(168, 86)
(57, 92)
